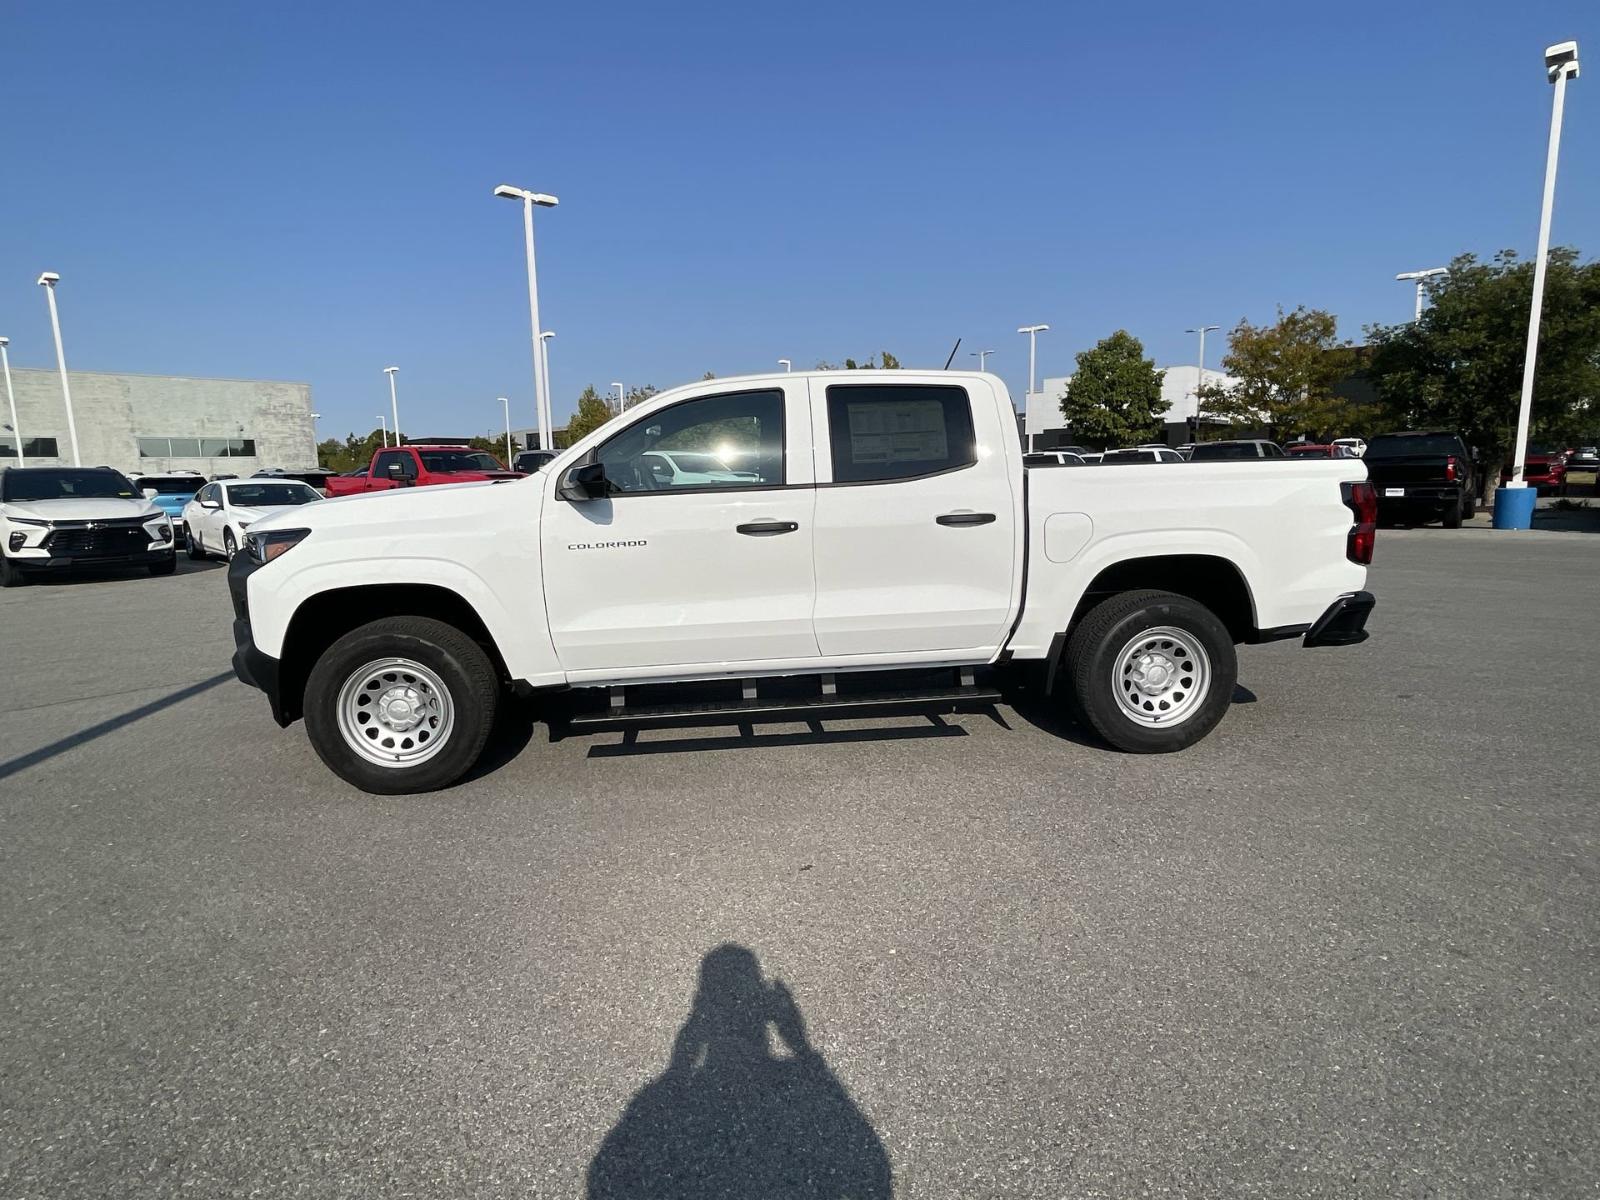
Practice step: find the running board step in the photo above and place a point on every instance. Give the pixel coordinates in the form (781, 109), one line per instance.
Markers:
(787, 709)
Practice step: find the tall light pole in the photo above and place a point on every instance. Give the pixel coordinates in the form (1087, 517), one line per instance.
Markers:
(48, 282)
(11, 398)
(544, 365)
(383, 424)
(1200, 375)
(505, 402)
(541, 372)
(786, 365)
(1033, 332)
(1560, 64)
(1421, 277)
(394, 403)
(983, 358)
(622, 396)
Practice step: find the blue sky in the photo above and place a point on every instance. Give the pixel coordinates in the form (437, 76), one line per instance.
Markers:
(302, 191)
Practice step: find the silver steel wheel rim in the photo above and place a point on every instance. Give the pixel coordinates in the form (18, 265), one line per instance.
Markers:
(395, 712)
(1161, 677)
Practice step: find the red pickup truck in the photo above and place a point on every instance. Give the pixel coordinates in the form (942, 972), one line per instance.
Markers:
(419, 466)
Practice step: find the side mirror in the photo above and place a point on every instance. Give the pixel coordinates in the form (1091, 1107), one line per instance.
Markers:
(149, 493)
(211, 504)
(586, 482)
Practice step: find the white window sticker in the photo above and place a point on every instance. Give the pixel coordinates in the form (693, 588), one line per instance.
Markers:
(899, 431)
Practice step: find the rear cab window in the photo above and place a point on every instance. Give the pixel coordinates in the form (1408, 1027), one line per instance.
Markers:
(879, 433)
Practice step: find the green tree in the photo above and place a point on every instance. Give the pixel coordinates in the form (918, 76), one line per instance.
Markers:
(1286, 375)
(1114, 397)
(1460, 366)
(593, 412)
(881, 362)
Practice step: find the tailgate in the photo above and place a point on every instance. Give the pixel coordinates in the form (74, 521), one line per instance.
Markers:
(1410, 469)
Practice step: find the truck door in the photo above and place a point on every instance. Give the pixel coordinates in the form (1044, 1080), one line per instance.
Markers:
(917, 527)
(701, 553)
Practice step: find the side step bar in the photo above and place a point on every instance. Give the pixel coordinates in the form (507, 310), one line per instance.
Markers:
(729, 712)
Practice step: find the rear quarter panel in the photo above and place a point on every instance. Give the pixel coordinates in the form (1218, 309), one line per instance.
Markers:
(1282, 523)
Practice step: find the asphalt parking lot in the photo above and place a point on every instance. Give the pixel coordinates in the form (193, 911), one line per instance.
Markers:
(1347, 946)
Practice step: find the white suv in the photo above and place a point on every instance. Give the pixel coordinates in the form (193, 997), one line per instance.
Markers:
(57, 518)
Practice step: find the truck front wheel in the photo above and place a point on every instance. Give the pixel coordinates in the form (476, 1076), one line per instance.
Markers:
(1153, 671)
(401, 705)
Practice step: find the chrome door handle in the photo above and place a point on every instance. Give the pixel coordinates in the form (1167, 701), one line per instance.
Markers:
(767, 528)
(965, 518)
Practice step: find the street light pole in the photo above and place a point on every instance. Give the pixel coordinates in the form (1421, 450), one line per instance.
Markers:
(11, 398)
(1033, 332)
(48, 282)
(505, 402)
(1200, 375)
(786, 365)
(622, 396)
(1422, 278)
(383, 424)
(1561, 63)
(394, 403)
(541, 373)
(983, 359)
(544, 365)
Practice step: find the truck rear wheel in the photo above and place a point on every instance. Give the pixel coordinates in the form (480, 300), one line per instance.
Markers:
(401, 705)
(1153, 671)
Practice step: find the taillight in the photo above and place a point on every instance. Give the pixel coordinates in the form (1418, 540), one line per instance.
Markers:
(1361, 498)
(1450, 468)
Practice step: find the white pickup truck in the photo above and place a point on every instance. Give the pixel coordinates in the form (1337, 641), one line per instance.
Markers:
(844, 538)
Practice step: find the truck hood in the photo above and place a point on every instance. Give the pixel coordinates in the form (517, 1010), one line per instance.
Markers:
(397, 508)
(80, 510)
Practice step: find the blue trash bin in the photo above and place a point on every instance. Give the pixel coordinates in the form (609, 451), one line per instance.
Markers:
(1513, 507)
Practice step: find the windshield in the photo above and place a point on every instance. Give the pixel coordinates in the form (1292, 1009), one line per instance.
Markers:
(1127, 456)
(448, 462)
(1399, 447)
(266, 495)
(165, 485)
(66, 483)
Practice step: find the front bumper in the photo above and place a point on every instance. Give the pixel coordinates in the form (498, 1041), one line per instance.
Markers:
(251, 665)
(1344, 623)
(67, 562)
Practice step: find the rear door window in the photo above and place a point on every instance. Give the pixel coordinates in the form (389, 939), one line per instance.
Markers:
(882, 432)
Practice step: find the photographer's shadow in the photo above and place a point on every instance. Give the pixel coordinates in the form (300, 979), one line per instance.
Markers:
(729, 1117)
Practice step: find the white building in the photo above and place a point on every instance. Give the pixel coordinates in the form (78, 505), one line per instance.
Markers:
(1044, 427)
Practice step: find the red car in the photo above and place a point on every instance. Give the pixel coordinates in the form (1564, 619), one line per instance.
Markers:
(419, 466)
(1543, 470)
(1313, 450)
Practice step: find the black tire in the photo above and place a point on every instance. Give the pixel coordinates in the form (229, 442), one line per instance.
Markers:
(166, 566)
(11, 575)
(192, 547)
(1100, 638)
(1452, 515)
(1469, 505)
(461, 665)
(229, 546)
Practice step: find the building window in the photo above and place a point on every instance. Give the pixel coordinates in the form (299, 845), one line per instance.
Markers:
(31, 447)
(188, 447)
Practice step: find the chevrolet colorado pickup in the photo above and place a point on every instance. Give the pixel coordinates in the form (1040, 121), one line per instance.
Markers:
(840, 528)
(418, 466)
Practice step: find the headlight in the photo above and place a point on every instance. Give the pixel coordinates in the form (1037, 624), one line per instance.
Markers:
(160, 531)
(265, 546)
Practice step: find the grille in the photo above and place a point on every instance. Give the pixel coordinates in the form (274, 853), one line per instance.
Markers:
(97, 540)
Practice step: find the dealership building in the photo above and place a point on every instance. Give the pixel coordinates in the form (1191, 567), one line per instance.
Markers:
(149, 424)
(1044, 428)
